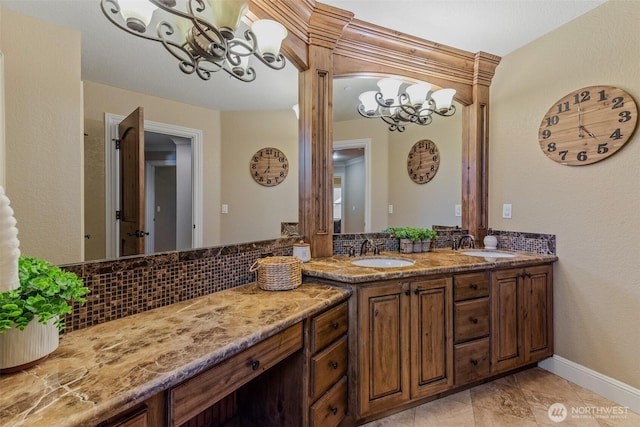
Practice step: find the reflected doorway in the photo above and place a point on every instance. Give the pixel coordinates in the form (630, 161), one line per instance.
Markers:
(352, 189)
(187, 162)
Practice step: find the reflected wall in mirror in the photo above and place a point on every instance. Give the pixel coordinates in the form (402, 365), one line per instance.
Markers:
(50, 105)
(395, 199)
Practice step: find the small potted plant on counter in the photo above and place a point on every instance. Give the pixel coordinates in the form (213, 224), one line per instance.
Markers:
(402, 233)
(32, 315)
(413, 239)
(427, 236)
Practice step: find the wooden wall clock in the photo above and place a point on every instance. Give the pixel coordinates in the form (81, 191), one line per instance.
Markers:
(269, 166)
(588, 125)
(423, 161)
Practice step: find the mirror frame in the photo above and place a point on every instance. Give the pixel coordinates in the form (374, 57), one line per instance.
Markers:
(324, 42)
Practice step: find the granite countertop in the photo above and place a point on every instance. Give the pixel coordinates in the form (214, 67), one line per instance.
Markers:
(100, 371)
(438, 261)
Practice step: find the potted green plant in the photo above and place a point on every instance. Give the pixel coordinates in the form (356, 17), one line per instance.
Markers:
(32, 315)
(402, 233)
(426, 236)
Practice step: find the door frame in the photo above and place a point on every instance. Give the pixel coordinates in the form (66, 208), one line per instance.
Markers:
(366, 144)
(111, 122)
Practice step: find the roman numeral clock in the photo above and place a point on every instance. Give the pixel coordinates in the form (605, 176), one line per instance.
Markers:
(588, 125)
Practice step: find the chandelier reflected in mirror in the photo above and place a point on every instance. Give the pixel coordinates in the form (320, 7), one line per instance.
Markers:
(201, 34)
(415, 104)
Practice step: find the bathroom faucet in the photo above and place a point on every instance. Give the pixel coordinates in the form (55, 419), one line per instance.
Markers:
(363, 247)
(463, 238)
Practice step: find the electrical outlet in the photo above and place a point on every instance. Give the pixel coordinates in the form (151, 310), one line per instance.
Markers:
(390, 209)
(458, 210)
(506, 210)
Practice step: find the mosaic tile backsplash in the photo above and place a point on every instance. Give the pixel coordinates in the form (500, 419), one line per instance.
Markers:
(127, 286)
(131, 285)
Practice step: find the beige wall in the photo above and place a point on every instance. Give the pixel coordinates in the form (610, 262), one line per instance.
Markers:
(593, 210)
(100, 99)
(417, 205)
(256, 211)
(43, 101)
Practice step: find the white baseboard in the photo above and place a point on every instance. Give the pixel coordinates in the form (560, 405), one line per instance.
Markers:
(614, 390)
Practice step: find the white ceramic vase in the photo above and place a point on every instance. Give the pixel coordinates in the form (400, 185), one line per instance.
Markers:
(20, 349)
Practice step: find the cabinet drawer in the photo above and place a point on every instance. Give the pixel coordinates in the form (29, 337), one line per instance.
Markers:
(198, 393)
(471, 361)
(327, 367)
(331, 408)
(467, 286)
(328, 326)
(471, 319)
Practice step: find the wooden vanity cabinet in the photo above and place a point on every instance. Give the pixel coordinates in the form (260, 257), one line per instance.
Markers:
(471, 327)
(521, 317)
(404, 343)
(328, 361)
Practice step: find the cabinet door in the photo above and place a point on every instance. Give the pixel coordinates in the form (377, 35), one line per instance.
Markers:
(506, 324)
(431, 337)
(538, 313)
(383, 347)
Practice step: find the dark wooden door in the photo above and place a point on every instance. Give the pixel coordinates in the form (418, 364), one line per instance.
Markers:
(132, 224)
(538, 311)
(506, 320)
(384, 347)
(431, 337)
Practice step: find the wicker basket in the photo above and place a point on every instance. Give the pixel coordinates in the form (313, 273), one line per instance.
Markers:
(278, 273)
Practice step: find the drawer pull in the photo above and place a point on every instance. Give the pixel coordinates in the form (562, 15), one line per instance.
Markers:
(334, 365)
(335, 325)
(255, 365)
(474, 286)
(474, 362)
(473, 320)
(333, 410)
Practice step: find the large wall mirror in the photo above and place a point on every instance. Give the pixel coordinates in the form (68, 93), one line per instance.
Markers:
(235, 119)
(374, 190)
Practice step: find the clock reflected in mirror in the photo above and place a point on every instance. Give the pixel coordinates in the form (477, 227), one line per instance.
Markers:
(423, 161)
(588, 125)
(269, 166)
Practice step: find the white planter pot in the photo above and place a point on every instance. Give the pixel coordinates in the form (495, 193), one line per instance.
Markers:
(19, 348)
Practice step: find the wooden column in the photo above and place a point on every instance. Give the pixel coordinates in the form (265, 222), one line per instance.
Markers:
(316, 129)
(475, 149)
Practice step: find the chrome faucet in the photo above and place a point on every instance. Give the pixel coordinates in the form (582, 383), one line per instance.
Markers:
(465, 238)
(363, 247)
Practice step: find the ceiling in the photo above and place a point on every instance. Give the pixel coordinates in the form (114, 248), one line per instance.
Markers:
(112, 57)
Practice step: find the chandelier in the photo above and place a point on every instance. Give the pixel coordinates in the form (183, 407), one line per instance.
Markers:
(200, 34)
(415, 104)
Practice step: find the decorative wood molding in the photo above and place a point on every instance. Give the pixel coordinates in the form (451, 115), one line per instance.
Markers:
(324, 42)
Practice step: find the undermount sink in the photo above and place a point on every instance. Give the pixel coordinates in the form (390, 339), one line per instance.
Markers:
(488, 254)
(383, 262)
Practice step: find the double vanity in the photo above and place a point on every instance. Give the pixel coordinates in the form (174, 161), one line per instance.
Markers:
(351, 344)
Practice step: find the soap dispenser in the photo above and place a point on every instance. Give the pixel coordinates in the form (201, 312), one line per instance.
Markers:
(490, 241)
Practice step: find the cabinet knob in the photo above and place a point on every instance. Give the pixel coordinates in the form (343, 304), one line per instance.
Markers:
(473, 320)
(334, 365)
(474, 362)
(474, 286)
(416, 291)
(255, 365)
(333, 410)
(407, 292)
(335, 325)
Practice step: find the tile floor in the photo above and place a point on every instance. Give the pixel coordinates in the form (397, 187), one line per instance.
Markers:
(522, 399)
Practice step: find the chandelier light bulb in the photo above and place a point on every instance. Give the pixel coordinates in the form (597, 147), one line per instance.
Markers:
(368, 102)
(270, 35)
(418, 93)
(389, 89)
(443, 98)
(227, 15)
(137, 14)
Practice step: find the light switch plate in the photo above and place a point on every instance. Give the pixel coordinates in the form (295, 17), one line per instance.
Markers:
(225, 209)
(458, 210)
(506, 210)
